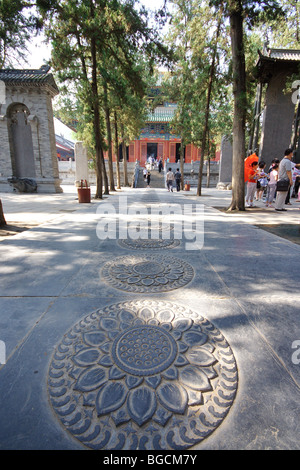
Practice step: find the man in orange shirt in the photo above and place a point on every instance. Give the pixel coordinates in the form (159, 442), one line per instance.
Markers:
(251, 184)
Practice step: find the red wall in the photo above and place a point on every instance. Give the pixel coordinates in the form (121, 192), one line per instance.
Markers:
(165, 149)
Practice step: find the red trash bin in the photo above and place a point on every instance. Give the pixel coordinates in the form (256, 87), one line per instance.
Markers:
(84, 193)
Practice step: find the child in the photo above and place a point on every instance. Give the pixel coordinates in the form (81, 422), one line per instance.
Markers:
(262, 181)
(272, 184)
(251, 184)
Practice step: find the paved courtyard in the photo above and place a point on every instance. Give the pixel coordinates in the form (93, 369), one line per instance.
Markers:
(187, 342)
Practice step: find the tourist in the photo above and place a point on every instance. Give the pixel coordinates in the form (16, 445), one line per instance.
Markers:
(274, 162)
(296, 180)
(284, 174)
(170, 179)
(148, 179)
(273, 175)
(262, 181)
(160, 165)
(177, 177)
(291, 188)
(251, 184)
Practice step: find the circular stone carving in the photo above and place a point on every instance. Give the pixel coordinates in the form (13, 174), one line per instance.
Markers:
(144, 351)
(147, 273)
(148, 244)
(142, 375)
(160, 240)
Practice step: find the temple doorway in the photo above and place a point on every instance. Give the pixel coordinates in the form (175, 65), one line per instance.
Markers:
(152, 151)
(121, 153)
(177, 158)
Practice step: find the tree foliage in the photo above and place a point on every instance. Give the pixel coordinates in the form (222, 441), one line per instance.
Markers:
(17, 24)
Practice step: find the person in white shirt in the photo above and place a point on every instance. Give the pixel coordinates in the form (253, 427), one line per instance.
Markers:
(170, 179)
(296, 180)
(284, 173)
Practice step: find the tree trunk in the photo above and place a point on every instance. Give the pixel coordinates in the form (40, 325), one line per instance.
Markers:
(105, 178)
(208, 173)
(239, 117)
(109, 139)
(182, 164)
(95, 109)
(208, 99)
(2, 218)
(124, 152)
(117, 152)
(96, 120)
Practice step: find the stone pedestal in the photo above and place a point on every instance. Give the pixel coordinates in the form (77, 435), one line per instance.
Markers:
(81, 164)
(225, 174)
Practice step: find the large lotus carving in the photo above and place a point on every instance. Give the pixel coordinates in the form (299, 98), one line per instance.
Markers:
(144, 364)
(138, 367)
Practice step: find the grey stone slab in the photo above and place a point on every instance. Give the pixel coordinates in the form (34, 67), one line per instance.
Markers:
(45, 259)
(39, 273)
(27, 419)
(264, 413)
(18, 316)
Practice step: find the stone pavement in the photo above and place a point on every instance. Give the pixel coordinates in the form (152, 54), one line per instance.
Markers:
(148, 344)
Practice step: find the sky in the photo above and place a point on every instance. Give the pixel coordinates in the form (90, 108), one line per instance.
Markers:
(39, 52)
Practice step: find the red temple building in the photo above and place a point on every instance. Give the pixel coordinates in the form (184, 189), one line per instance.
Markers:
(157, 139)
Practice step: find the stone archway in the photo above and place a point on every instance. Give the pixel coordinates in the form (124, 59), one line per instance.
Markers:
(20, 139)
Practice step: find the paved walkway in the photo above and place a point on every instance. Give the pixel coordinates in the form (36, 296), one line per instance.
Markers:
(131, 344)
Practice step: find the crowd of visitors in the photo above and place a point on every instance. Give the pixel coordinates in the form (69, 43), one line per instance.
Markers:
(278, 184)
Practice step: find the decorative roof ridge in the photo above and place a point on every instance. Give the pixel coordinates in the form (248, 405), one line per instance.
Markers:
(44, 69)
(29, 78)
(276, 49)
(270, 53)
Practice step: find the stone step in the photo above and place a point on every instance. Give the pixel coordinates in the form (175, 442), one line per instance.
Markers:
(157, 179)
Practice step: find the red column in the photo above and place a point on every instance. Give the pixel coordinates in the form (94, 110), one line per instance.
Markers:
(137, 150)
(131, 152)
(172, 155)
(143, 152)
(166, 150)
(188, 153)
